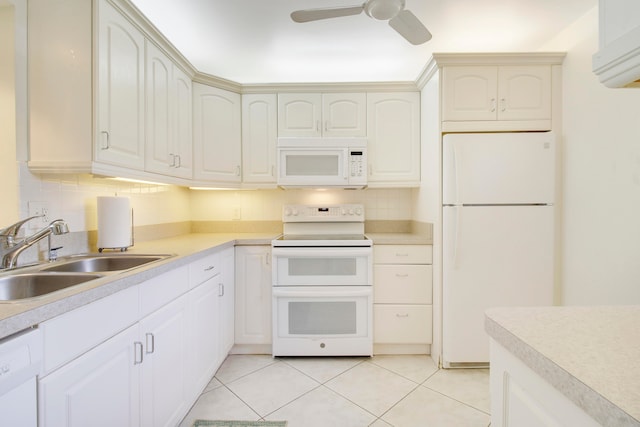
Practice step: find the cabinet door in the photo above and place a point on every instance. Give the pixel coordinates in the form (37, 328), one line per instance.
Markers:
(393, 129)
(469, 93)
(259, 138)
(253, 295)
(299, 114)
(227, 302)
(344, 114)
(99, 388)
(121, 102)
(164, 366)
(182, 121)
(159, 154)
(216, 134)
(204, 344)
(524, 93)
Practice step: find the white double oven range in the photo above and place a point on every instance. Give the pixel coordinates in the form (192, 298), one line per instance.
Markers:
(322, 283)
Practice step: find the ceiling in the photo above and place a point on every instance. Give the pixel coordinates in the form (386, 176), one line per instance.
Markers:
(255, 41)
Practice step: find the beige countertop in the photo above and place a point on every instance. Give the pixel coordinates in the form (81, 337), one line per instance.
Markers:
(17, 316)
(399, 239)
(590, 354)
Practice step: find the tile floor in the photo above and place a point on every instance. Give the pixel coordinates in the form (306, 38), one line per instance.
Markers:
(382, 391)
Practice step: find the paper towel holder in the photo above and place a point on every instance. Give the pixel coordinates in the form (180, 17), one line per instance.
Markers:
(123, 248)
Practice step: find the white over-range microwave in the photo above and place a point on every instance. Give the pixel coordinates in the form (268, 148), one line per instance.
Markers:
(322, 162)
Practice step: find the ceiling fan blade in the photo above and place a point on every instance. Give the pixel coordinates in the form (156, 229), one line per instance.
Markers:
(410, 27)
(316, 14)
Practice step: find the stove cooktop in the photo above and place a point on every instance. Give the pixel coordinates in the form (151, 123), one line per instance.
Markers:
(311, 240)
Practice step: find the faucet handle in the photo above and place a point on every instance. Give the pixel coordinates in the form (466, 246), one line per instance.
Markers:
(12, 230)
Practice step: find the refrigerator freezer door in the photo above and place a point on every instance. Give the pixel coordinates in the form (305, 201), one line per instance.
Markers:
(492, 256)
(498, 168)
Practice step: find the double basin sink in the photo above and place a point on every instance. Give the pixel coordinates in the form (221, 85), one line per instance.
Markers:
(70, 271)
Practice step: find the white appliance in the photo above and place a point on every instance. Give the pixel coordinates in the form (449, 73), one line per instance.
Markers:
(322, 162)
(498, 233)
(322, 283)
(20, 364)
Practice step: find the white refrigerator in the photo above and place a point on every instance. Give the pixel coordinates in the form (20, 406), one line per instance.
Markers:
(498, 233)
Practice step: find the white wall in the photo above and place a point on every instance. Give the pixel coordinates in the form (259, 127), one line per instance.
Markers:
(601, 177)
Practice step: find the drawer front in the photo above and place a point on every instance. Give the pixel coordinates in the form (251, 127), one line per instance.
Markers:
(402, 284)
(402, 324)
(161, 290)
(204, 269)
(71, 334)
(402, 254)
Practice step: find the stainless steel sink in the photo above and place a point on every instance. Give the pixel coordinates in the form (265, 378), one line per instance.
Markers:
(102, 263)
(29, 285)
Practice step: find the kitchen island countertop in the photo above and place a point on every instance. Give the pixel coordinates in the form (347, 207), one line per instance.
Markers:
(18, 316)
(589, 354)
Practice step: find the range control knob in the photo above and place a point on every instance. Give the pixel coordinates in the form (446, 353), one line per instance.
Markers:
(287, 212)
(358, 211)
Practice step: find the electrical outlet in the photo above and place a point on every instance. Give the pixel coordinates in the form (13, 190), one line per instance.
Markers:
(237, 214)
(38, 209)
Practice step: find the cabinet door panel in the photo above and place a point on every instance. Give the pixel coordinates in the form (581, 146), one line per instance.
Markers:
(158, 150)
(299, 114)
(216, 134)
(259, 137)
(393, 129)
(182, 120)
(253, 295)
(164, 334)
(524, 93)
(120, 138)
(402, 324)
(99, 388)
(469, 93)
(344, 114)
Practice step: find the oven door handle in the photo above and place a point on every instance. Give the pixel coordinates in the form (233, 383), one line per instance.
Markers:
(332, 291)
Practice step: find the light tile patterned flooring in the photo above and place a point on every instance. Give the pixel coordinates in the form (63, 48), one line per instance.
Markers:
(382, 391)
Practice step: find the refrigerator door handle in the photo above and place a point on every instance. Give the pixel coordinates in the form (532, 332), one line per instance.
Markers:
(456, 235)
(456, 170)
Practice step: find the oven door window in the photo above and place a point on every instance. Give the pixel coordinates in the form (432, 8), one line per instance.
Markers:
(322, 267)
(322, 316)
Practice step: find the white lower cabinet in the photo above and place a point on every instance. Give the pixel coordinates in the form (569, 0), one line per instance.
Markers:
(99, 388)
(142, 356)
(253, 295)
(163, 364)
(521, 397)
(402, 310)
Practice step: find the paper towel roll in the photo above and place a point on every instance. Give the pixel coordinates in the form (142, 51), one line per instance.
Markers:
(114, 223)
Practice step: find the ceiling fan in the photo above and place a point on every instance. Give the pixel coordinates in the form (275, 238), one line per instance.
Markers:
(400, 19)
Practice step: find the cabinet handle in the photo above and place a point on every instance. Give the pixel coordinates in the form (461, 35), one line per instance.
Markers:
(402, 315)
(220, 289)
(326, 125)
(106, 140)
(266, 259)
(211, 267)
(150, 348)
(402, 275)
(402, 254)
(273, 171)
(179, 163)
(503, 104)
(493, 105)
(136, 345)
(317, 125)
(238, 170)
(173, 160)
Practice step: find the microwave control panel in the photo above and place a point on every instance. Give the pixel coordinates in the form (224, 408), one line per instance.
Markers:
(356, 163)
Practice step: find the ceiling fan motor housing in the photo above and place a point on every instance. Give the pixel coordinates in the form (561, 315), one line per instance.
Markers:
(383, 10)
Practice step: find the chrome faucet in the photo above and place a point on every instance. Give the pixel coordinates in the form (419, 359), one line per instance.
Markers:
(11, 247)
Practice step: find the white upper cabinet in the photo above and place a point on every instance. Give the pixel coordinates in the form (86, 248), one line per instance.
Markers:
(316, 115)
(216, 135)
(486, 93)
(121, 95)
(617, 62)
(168, 134)
(393, 128)
(259, 138)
